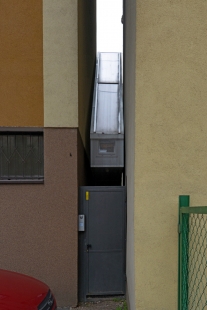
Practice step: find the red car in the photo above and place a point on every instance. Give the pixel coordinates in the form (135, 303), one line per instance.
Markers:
(21, 292)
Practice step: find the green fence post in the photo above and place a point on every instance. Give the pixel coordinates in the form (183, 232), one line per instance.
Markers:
(184, 201)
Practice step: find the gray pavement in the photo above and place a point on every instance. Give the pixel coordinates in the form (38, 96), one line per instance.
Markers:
(98, 305)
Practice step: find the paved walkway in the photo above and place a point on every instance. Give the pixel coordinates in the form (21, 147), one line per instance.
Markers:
(98, 305)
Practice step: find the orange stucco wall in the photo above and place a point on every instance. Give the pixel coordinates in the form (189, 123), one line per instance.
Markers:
(21, 73)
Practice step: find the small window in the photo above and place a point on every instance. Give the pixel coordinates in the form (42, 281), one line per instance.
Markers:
(21, 156)
(106, 147)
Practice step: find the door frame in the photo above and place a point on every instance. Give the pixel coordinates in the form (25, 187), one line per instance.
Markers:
(83, 276)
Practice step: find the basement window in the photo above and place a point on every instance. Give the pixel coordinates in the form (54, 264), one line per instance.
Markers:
(21, 157)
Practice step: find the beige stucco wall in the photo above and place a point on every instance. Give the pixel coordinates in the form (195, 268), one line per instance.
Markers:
(60, 59)
(170, 143)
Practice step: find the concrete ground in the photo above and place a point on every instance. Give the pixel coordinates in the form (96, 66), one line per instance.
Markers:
(99, 305)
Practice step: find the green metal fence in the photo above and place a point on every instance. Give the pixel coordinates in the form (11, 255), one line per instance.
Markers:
(192, 256)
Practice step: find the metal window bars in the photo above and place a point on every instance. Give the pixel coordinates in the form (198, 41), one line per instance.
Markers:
(21, 156)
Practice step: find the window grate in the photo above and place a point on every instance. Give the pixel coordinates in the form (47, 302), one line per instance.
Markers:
(21, 156)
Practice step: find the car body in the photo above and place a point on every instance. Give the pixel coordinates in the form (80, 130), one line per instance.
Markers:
(21, 292)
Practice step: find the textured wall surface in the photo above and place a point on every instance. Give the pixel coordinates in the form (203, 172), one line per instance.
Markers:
(21, 73)
(47, 49)
(38, 221)
(60, 48)
(170, 148)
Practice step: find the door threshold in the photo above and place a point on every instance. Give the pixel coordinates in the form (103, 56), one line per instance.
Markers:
(116, 297)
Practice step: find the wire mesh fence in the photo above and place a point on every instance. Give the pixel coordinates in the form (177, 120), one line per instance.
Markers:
(193, 260)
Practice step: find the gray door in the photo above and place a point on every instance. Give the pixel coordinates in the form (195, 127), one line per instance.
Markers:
(102, 244)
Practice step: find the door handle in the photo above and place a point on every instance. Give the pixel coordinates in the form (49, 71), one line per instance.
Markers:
(88, 247)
